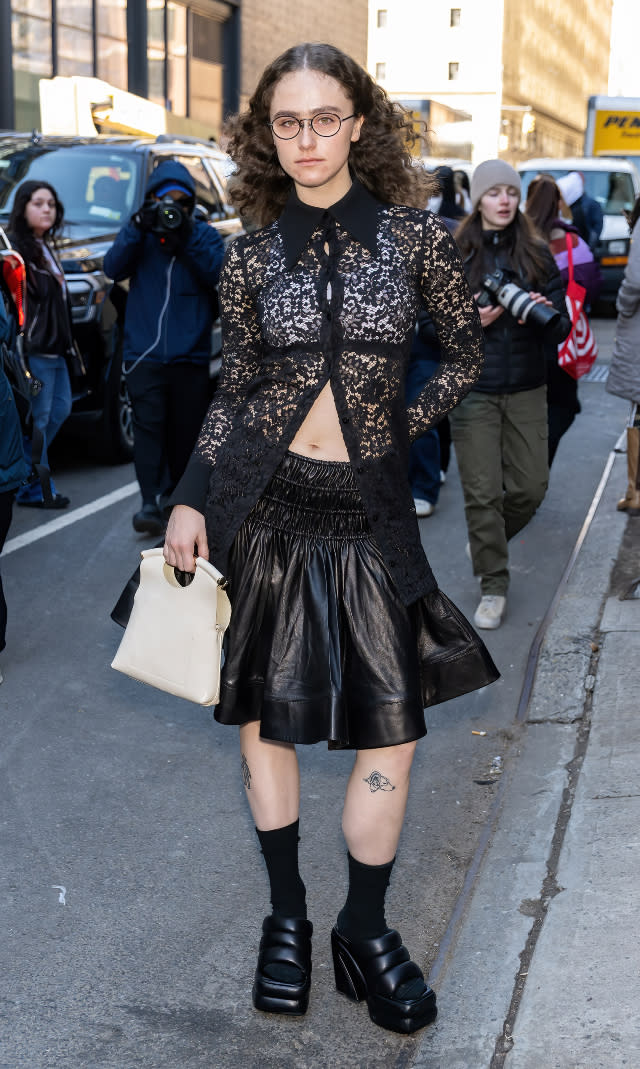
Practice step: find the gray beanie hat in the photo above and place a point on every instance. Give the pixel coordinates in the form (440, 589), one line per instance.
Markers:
(492, 173)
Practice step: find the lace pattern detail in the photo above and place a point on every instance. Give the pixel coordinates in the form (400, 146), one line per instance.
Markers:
(346, 315)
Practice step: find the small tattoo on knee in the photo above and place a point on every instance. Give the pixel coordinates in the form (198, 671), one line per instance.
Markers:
(378, 782)
(246, 774)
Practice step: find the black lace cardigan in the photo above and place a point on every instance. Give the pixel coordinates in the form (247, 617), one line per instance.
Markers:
(295, 317)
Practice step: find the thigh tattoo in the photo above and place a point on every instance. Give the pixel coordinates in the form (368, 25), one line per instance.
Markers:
(246, 773)
(378, 782)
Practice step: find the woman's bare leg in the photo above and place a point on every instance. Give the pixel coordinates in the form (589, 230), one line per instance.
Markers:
(375, 802)
(271, 778)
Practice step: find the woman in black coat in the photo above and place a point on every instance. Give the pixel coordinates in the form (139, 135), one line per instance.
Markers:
(36, 217)
(500, 429)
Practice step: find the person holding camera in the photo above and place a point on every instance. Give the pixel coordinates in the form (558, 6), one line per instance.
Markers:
(500, 428)
(172, 259)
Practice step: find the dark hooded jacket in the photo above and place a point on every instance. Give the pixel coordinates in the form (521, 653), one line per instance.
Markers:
(172, 298)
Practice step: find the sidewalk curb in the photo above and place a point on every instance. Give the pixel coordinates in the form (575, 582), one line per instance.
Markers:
(482, 980)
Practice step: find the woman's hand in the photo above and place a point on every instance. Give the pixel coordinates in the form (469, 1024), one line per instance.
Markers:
(488, 313)
(186, 538)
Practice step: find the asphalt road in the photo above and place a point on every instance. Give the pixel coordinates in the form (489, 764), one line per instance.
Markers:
(132, 889)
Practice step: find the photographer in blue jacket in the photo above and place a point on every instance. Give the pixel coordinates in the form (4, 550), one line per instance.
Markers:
(172, 259)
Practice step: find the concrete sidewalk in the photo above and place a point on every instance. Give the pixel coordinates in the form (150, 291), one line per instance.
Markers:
(542, 968)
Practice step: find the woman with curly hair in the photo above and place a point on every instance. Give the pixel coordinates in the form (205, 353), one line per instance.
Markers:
(36, 218)
(298, 490)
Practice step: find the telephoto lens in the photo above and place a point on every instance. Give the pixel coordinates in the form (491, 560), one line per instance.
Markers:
(518, 302)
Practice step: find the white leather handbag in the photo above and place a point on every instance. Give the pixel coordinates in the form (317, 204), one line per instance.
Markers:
(173, 639)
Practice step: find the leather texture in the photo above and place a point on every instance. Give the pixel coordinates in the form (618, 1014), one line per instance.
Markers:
(173, 639)
(375, 969)
(285, 941)
(322, 646)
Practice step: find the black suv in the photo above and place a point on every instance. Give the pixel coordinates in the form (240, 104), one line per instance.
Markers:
(101, 180)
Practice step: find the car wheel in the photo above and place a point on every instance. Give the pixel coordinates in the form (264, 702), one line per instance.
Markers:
(116, 439)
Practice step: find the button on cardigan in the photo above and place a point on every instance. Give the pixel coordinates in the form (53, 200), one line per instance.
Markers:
(323, 297)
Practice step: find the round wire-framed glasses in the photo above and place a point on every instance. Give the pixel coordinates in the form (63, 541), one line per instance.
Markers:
(326, 124)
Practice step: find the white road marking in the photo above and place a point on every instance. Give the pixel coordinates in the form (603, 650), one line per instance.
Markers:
(61, 896)
(46, 529)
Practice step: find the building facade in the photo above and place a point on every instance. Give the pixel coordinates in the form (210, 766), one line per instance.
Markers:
(198, 59)
(522, 73)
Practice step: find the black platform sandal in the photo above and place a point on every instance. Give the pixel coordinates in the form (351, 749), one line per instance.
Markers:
(374, 969)
(286, 942)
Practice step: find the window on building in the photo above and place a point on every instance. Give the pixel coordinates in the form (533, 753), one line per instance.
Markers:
(454, 17)
(206, 69)
(454, 71)
(177, 58)
(381, 18)
(156, 52)
(31, 37)
(74, 37)
(381, 72)
(111, 42)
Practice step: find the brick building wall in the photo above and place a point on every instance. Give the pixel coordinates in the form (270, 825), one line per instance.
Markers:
(269, 28)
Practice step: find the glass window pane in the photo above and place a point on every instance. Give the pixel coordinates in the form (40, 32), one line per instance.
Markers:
(177, 59)
(95, 187)
(75, 51)
(112, 62)
(156, 51)
(206, 193)
(112, 18)
(31, 42)
(77, 13)
(32, 7)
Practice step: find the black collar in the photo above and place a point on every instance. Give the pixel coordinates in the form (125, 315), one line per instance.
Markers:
(357, 212)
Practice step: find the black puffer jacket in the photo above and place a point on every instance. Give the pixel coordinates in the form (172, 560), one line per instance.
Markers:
(48, 327)
(514, 354)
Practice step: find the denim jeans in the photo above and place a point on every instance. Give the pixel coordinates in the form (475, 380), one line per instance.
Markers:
(424, 458)
(50, 409)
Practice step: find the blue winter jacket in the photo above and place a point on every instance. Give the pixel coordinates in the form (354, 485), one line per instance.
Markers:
(172, 300)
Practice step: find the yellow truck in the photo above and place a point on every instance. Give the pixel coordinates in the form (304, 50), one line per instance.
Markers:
(613, 127)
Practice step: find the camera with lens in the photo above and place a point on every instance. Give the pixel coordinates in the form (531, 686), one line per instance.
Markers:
(498, 289)
(167, 216)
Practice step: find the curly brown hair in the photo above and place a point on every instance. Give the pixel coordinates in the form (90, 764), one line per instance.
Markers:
(381, 159)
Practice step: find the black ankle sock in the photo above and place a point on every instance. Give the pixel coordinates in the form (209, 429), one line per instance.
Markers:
(362, 916)
(288, 892)
(280, 849)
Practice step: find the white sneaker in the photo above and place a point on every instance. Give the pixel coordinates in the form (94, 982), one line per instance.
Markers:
(490, 611)
(423, 508)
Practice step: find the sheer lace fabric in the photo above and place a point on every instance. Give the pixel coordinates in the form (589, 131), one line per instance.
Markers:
(344, 314)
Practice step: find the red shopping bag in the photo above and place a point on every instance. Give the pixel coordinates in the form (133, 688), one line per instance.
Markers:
(579, 349)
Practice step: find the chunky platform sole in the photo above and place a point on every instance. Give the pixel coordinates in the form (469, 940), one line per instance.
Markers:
(372, 970)
(285, 941)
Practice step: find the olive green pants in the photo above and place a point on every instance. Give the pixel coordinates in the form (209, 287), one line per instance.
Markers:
(501, 449)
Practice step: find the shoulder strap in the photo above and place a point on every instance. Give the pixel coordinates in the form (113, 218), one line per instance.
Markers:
(570, 254)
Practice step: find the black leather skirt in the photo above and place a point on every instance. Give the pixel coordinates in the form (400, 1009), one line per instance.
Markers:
(320, 646)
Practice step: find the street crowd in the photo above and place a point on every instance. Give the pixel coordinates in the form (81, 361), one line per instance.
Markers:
(374, 318)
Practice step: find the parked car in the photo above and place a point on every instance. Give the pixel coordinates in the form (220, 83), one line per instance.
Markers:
(101, 181)
(615, 184)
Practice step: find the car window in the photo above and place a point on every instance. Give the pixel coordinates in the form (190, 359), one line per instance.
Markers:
(206, 192)
(613, 190)
(96, 187)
